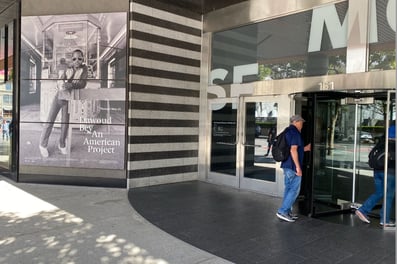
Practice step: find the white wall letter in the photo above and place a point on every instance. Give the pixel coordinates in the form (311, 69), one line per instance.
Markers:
(328, 16)
(391, 14)
(243, 70)
(219, 91)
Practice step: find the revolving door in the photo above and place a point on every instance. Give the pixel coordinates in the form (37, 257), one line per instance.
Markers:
(344, 127)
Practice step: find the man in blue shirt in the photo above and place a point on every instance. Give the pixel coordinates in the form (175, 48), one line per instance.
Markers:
(292, 168)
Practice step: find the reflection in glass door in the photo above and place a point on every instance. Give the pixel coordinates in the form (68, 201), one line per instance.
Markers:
(260, 124)
(333, 155)
(6, 99)
(223, 142)
(223, 139)
(260, 128)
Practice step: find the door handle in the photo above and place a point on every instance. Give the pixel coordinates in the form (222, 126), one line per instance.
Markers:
(226, 143)
(255, 146)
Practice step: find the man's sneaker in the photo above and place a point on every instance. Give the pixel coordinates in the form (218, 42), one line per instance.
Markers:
(362, 217)
(293, 216)
(43, 151)
(390, 224)
(63, 150)
(285, 217)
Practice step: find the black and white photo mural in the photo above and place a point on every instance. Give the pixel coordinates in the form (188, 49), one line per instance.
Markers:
(73, 87)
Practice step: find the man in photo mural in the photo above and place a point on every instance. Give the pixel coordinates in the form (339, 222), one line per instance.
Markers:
(292, 168)
(73, 77)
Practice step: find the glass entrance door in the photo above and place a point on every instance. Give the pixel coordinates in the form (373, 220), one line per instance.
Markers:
(262, 119)
(223, 116)
(241, 137)
(346, 127)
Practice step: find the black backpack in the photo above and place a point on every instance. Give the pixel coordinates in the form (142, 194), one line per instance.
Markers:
(376, 157)
(280, 148)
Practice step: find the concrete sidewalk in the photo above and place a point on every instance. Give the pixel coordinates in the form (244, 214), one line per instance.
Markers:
(69, 224)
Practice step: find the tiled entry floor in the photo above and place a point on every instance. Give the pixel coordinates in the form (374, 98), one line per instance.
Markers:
(241, 226)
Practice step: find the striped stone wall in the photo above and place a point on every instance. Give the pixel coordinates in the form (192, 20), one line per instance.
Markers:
(164, 93)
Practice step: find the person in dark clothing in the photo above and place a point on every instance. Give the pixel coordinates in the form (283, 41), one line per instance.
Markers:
(270, 139)
(379, 181)
(292, 168)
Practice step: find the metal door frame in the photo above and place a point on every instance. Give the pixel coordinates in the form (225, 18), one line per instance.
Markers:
(239, 181)
(270, 188)
(389, 99)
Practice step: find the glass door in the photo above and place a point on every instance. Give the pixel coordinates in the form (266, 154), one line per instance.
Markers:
(223, 116)
(333, 155)
(262, 119)
(241, 134)
(346, 128)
